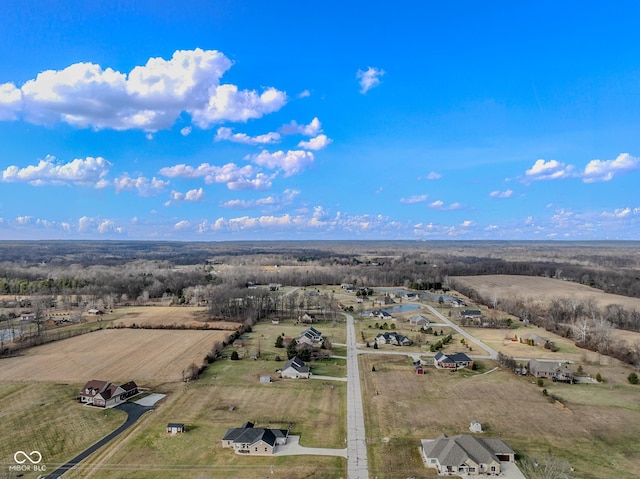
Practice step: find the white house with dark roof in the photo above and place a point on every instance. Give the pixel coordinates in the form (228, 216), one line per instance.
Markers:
(255, 441)
(393, 338)
(295, 369)
(310, 336)
(466, 455)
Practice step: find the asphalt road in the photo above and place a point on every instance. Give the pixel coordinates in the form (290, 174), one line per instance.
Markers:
(357, 463)
(134, 412)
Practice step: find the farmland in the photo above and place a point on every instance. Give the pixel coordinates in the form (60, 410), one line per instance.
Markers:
(594, 427)
(542, 289)
(164, 317)
(228, 394)
(148, 356)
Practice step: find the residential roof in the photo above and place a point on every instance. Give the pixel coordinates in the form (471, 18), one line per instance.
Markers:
(451, 358)
(457, 450)
(297, 364)
(247, 434)
(418, 318)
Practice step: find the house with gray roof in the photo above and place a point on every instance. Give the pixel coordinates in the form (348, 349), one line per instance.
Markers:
(310, 336)
(551, 370)
(452, 361)
(419, 320)
(466, 455)
(393, 338)
(255, 441)
(295, 369)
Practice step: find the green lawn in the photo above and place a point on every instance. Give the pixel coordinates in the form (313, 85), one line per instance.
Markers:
(45, 417)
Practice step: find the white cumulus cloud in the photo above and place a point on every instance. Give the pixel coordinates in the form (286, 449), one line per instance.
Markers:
(604, 170)
(10, 101)
(369, 78)
(291, 162)
(317, 143)
(150, 97)
(225, 133)
(293, 128)
(548, 170)
(144, 186)
(87, 171)
(234, 176)
(180, 225)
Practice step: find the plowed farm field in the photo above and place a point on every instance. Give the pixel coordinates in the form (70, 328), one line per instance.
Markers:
(541, 289)
(168, 317)
(143, 355)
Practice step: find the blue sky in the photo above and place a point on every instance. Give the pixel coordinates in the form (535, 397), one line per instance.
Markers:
(236, 120)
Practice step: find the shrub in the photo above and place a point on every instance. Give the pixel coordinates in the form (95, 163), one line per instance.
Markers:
(633, 378)
(234, 356)
(540, 382)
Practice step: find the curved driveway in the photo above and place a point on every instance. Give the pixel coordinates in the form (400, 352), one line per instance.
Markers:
(134, 412)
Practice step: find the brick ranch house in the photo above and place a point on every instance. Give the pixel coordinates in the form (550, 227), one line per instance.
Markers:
(106, 394)
(452, 361)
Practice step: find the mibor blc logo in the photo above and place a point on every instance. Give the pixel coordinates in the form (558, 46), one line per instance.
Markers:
(27, 461)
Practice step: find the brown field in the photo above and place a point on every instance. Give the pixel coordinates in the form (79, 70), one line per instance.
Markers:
(542, 289)
(164, 316)
(143, 355)
(595, 428)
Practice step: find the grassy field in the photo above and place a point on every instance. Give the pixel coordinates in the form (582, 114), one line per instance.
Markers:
(115, 355)
(228, 394)
(44, 417)
(595, 428)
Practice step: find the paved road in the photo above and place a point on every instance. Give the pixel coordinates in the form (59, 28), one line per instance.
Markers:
(357, 464)
(493, 354)
(134, 412)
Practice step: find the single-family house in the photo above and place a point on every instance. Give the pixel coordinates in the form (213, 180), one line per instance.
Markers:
(28, 316)
(534, 339)
(457, 303)
(95, 312)
(107, 394)
(551, 370)
(308, 318)
(295, 369)
(255, 441)
(419, 320)
(466, 455)
(310, 336)
(452, 361)
(392, 338)
(471, 314)
(175, 428)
